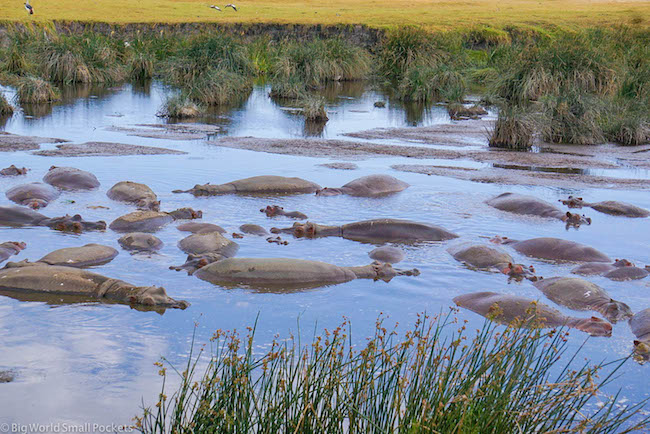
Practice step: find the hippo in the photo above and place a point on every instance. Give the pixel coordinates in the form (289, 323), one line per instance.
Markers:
(610, 207)
(389, 254)
(579, 294)
(640, 325)
(7, 376)
(132, 192)
(253, 229)
(150, 221)
(13, 171)
(262, 185)
(34, 195)
(69, 178)
(285, 273)
(20, 216)
(203, 249)
(486, 257)
(621, 269)
(372, 231)
(509, 309)
(200, 228)
(140, 242)
(554, 249)
(529, 205)
(19, 279)
(275, 210)
(367, 186)
(9, 248)
(89, 255)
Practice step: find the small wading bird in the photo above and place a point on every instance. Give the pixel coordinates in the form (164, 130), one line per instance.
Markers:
(29, 7)
(215, 7)
(231, 6)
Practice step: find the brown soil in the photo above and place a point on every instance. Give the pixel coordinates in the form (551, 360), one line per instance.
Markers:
(104, 149)
(340, 166)
(169, 131)
(13, 142)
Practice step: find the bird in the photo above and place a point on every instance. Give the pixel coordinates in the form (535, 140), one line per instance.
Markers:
(29, 7)
(231, 6)
(215, 7)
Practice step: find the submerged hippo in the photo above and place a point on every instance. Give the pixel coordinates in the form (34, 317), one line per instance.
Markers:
(266, 184)
(275, 210)
(486, 257)
(284, 273)
(69, 178)
(529, 205)
(89, 255)
(200, 228)
(608, 207)
(554, 249)
(640, 325)
(20, 216)
(13, 171)
(509, 309)
(579, 294)
(367, 186)
(252, 229)
(621, 269)
(205, 248)
(151, 221)
(24, 278)
(372, 231)
(389, 254)
(34, 195)
(140, 242)
(132, 192)
(9, 248)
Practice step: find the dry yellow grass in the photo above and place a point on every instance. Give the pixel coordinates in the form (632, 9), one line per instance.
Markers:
(435, 14)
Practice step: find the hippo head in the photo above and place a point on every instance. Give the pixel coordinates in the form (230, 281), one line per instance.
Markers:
(186, 214)
(575, 220)
(501, 240)
(385, 271)
(307, 230)
(519, 272)
(641, 351)
(35, 203)
(617, 311)
(153, 205)
(74, 224)
(594, 326)
(194, 262)
(155, 296)
(573, 202)
(622, 263)
(272, 211)
(327, 191)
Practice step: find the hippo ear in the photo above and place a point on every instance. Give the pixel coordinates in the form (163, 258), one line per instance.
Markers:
(579, 198)
(568, 214)
(636, 343)
(594, 318)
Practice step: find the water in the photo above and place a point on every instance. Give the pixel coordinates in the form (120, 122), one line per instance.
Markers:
(94, 363)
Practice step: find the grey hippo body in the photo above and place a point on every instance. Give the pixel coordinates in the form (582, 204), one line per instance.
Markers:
(151, 221)
(252, 229)
(389, 254)
(509, 309)
(132, 192)
(140, 242)
(10, 248)
(31, 280)
(555, 249)
(89, 255)
(579, 294)
(620, 269)
(528, 205)
(275, 210)
(285, 273)
(266, 184)
(490, 258)
(640, 325)
(34, 195)
(69, 178)
(372, 231)
(367, 186)
(610, 207)
(19, 216)
(204, 249)
(200, 228)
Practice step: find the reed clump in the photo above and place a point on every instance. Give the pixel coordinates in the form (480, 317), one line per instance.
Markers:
(514, 129)
(34, 90)
(313, 108)
(5, 108)
(438, 377)
(179, 106)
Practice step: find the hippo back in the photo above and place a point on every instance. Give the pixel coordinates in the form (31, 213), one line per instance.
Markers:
(35, 190)
(69, 178)
(620, 209)
(640, 324)
(525, 205)
(375, 185)
(211, 242)
(559, 250)
(268, 184)
(50, 279)
(573, 292)
(19, 216)
(128, 191)
(86, 256)
(274, 273)
(396, 231)
(480, 255)
(141, 221)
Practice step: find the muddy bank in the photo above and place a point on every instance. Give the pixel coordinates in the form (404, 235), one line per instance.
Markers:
(495, 175)
(105, 149)
(169, 131)
(14, 142)
(340, 166)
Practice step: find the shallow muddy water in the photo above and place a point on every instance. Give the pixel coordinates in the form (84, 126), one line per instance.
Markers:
(94, 362)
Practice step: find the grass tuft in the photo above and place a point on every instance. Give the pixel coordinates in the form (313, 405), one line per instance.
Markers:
(179, 107)
(33, 90)
(514, 129)
(5, 108)
(313, 108)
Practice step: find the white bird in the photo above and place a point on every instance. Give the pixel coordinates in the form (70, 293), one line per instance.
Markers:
(29, 7)
(215, 7)
(231, 6)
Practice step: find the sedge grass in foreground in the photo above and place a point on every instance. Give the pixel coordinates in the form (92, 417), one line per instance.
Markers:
(439, 377)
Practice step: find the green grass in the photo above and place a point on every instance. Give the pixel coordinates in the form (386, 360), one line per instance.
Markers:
(313, 107)
(179, 107)
(438, 377)
(514, 129)
(32, 90)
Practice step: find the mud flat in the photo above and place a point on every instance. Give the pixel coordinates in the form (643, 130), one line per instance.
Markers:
(14, 142)
(169, 131)
(104, 149)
